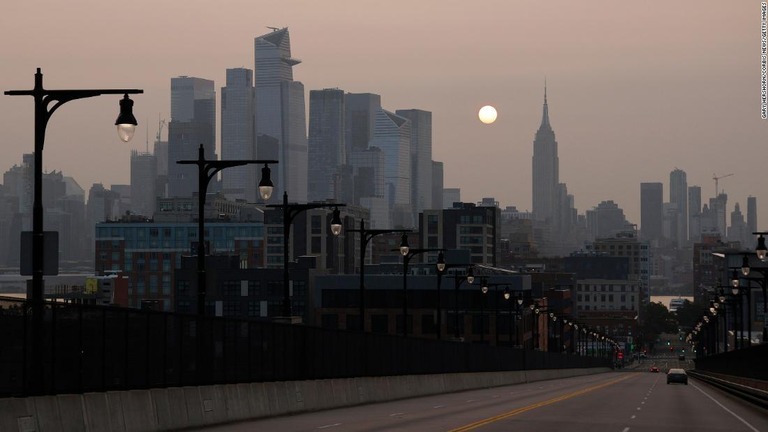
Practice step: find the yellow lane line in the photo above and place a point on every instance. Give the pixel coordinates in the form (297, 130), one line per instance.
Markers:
(521, 410)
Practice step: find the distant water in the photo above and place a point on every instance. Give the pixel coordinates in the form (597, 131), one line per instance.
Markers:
(666, 299)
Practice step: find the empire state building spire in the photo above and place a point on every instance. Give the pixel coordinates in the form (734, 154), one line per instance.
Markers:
(545, 114)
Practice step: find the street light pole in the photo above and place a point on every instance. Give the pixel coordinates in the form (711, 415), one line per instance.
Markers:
(366, 235)
(290, 211)
(408, 253)
(206, 171)
(457, 280)
(46, 103)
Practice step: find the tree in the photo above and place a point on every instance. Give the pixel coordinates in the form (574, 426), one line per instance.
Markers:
(657, 319)
(689, 314)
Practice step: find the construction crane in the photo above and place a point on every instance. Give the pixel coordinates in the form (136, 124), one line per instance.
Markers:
(160, 124)
(716, 178)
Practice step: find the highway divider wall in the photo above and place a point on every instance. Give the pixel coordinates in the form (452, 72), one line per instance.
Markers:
(187, 407)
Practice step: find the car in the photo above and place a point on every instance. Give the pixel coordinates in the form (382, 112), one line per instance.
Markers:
(654, 369)
(677, 375)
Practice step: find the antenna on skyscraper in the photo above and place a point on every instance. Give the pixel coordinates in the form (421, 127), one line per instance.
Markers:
(273, 28)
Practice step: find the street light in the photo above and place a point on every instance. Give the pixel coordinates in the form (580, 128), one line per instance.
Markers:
(365, 236)
(46, 103)
(290, 211)
(206, 171)
(408, 253)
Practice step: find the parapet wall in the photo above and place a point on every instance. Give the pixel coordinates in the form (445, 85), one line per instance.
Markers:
(185, 407)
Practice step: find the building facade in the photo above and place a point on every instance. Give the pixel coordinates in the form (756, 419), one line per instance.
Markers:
(238, 135)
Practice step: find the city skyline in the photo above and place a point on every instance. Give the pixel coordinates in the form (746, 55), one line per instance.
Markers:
(634, 94)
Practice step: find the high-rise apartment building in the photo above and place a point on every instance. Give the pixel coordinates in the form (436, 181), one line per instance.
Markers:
(280, 112)
(238, 135)
(421, 159)
(678, 195)
(651, 212)
(193, 122)
(327, 149)
(546, 166)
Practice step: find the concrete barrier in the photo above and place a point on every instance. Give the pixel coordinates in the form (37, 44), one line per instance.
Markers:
(179, 408)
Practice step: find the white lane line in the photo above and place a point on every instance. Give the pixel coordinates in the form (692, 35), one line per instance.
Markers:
(396, 414)
(626, 429)
(633, 416)
(723, 407)
(329, 426)
(638, 408)
(471, 400)
(437, 406)
(642, 403)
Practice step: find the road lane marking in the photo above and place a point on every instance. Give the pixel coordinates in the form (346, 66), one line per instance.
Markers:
(329, 426)
(633, 416)
(723, 407)
(626, 429)
(437, 406)
(533, 406)
(396, 414)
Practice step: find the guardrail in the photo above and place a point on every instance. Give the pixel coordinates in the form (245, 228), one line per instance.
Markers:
(744, 388)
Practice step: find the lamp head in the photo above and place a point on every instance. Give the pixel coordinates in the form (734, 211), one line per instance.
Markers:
(507, 294)
(126, 122)
(734, 279)
(440, 262)
(745, 265)
(404, 248)
(470, 275)
(265, 185)
(761, 250)
(336, 222)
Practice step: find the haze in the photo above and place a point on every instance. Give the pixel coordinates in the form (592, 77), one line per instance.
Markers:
(636, 89)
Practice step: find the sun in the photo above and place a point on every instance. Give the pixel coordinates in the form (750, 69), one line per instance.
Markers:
(487, 114)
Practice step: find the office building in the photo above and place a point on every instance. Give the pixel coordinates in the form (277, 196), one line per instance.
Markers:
(327, 148)
(678, 195)
(651, 212)
(193, 122)
(546, 166)
(392, 134)
(421, 158)
(280, 112)
(238, 135)
(143, 183)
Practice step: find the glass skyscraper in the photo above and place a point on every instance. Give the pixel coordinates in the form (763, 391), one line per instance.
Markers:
(193, 122)
(238, 110)
(280, 112)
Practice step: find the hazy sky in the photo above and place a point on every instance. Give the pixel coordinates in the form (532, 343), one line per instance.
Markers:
(636, 89)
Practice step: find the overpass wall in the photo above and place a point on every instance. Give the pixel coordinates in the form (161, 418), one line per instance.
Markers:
(187, 407)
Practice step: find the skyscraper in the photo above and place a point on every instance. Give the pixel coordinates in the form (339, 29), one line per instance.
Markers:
(327, 150)
(651, 212)
(678, 195)
(421, 159)
(280, 112)
(392, 135)
(751, 216)
(143, 183)
(193, 122)
(238, 134)
(694, 213)
(546, 166)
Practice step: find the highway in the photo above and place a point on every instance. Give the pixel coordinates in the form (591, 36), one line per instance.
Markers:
(616, 401)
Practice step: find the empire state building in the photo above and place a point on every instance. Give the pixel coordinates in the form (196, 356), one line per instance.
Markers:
(546, 166)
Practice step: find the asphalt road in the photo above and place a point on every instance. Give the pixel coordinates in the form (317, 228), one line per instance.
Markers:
(615, 401)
